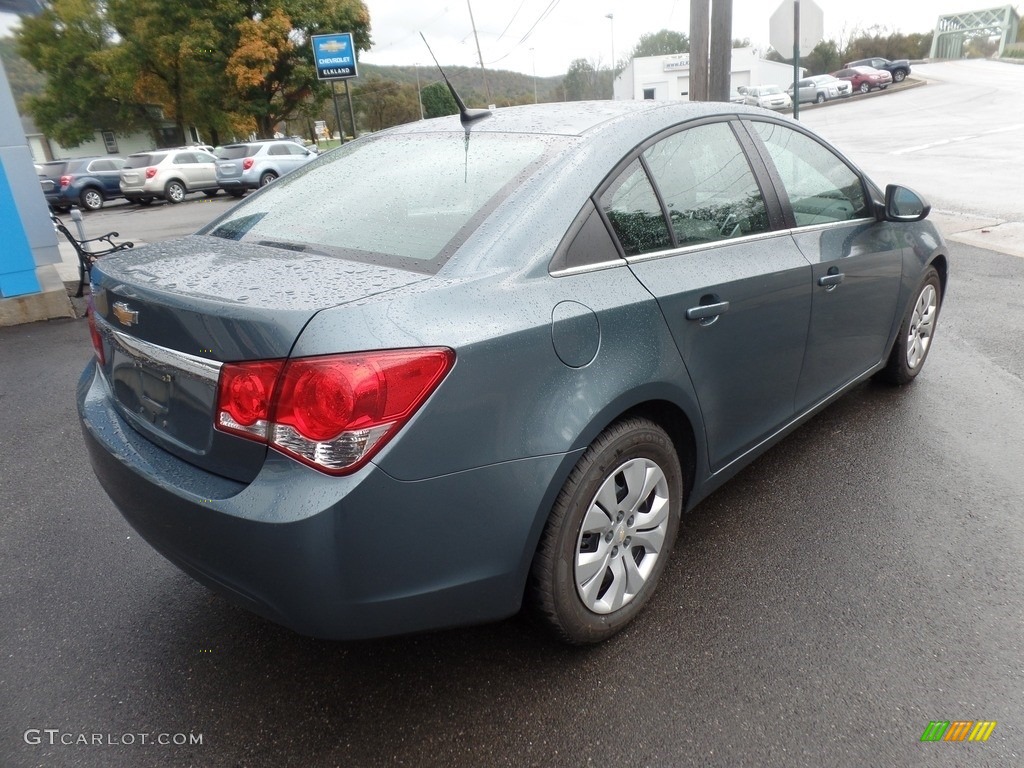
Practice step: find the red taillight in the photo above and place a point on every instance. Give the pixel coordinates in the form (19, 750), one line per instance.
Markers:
(65, 181)
(331, 412)
(150, 172)
(243, 397)
(94, 332)
(247, 163)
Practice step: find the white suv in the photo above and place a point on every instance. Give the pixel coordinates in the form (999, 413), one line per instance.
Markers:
(253, 164)
(168, 173)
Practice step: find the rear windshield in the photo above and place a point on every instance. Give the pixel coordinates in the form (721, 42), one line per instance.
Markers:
(141, 161)
(236, 151)
(401, 200)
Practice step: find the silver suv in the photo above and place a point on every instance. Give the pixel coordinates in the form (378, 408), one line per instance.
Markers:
(253, 164)
(168, 173)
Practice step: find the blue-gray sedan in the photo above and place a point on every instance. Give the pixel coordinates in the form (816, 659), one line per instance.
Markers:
(453, 368)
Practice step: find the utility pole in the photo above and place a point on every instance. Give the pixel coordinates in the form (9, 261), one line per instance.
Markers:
(700, 16)
(720, 72)
(479, 54)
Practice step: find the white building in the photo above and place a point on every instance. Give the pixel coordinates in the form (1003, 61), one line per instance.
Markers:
(667, 78)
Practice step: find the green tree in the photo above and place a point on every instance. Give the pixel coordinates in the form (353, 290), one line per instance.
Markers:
(67, 43)
(582, 81)
(662, 43)
(438, 101)
(383, 103)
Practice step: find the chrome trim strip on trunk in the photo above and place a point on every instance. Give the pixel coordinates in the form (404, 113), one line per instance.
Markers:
(161, 358)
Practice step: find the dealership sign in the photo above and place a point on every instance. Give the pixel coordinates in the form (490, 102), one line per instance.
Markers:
(334, 56)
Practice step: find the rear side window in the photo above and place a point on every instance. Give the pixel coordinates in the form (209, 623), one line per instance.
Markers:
(277, 149)
(635, 214)
(141, 161)
(406, 200)
(821, 187)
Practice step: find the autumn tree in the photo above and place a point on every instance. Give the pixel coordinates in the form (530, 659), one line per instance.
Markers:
(271, 66)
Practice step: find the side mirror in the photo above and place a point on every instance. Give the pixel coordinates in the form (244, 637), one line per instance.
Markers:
(903, 204)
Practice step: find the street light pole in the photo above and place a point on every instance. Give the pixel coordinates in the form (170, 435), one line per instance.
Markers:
(533, 52)
(419, 92)
(611, 18)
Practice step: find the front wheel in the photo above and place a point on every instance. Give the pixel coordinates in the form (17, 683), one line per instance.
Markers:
(864, 88)
(174, 192)
(916, 332)
(610, 533)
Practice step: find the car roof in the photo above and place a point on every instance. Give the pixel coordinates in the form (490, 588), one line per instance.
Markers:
(580, 118)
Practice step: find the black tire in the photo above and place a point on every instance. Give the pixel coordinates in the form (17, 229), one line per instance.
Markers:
(864, 88)
(144, 200)
(91, 199)
(267, 177)
(211, 192)
(899, 76)
(883, 87)
(623, 527)
(820, 99)
(236, 192)
(174, 192)
(914, 340)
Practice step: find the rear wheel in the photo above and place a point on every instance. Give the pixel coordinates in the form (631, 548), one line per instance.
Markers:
(610, 533)
(916, 332)
(174, 192)
(91, 199)
(820, 98)
(144, 200)
(236, 192)
(211, 192)
(267, 177)
(899, 76)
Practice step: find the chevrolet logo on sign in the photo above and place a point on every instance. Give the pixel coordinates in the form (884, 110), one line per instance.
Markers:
(333, 46)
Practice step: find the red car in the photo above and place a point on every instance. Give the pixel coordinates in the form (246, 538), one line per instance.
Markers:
(863, 79)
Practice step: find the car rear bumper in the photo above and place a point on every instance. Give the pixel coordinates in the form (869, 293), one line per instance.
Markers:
(342, 558)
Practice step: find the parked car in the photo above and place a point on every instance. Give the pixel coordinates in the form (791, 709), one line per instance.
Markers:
(863, 79)
(456, 366)
(253, 164)
(821, 88)
(49, 174)
(899, 69)
(168, 173)
(767, 96)
(89, 181)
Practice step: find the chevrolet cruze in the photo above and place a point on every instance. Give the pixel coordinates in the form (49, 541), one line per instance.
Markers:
(464, 365)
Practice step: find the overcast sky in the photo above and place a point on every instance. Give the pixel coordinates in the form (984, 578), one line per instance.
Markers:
(519, 34)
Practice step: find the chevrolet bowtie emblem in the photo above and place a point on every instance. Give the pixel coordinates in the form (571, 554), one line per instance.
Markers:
(124, 315)
(333, 46)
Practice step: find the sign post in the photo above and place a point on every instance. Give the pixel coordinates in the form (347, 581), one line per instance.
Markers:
(334, 56)
(796, 25)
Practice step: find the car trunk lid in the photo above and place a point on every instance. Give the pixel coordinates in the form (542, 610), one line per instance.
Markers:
(171, 314)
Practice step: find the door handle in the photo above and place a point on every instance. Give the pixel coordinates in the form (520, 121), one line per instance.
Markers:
(831, 280)
(706, 311)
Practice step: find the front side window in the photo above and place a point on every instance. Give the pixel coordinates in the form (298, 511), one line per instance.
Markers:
(822, 189)
(635, 214)
(708, 187)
